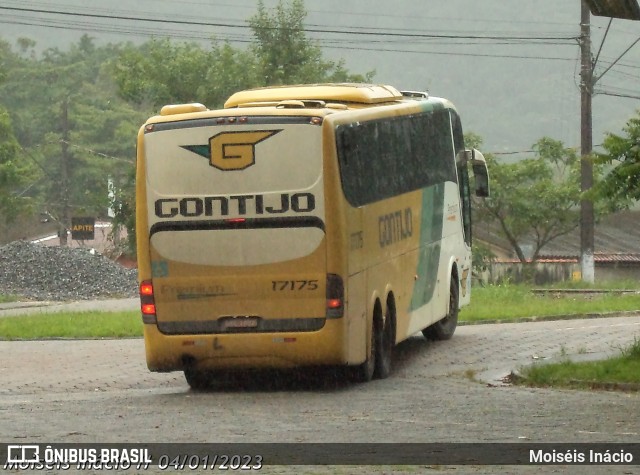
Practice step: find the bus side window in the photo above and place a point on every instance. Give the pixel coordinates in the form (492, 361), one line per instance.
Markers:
(463, 176)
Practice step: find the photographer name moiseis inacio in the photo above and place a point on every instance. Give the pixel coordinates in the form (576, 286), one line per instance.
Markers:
(580, 457)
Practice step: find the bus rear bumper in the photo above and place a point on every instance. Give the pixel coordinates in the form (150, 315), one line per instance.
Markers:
(247, 350)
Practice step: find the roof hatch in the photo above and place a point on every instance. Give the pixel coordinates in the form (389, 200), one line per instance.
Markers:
(336, 93)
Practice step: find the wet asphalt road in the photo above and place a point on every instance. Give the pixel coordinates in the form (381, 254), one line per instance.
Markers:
(101, 391)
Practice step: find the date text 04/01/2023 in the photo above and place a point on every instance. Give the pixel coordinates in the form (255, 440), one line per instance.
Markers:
(210, 462)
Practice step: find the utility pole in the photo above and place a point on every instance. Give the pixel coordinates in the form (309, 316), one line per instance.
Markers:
(65, 219)
(587, 262)
(629, 10)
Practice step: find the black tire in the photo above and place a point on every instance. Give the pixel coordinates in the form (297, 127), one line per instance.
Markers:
(197, 379)
(364, 372)
(445, 328)
(385, 341)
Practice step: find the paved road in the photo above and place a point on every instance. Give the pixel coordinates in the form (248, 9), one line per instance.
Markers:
(101, 391)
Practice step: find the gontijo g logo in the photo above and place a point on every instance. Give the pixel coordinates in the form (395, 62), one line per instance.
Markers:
(232, 150)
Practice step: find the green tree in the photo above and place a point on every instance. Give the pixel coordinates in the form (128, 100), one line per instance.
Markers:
(105, 139)
(69, 121)
(232, 70)
(622, 183)
(160, 72)
(284, 53)
(534, 200)
(73, 115)
(15, 173)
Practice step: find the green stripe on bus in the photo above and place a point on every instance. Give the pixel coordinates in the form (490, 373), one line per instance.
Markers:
(431, 106)
(430, 244)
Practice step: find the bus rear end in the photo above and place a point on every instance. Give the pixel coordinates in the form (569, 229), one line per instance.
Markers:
(231, 242)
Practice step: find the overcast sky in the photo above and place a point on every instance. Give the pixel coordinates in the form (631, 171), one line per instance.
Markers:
(511, 67)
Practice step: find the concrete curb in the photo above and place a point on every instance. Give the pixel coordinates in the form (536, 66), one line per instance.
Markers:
(549, 318)
(516, 377)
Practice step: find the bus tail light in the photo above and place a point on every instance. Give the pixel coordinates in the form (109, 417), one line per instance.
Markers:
(335, 296)
(235, 221)
(147, 302)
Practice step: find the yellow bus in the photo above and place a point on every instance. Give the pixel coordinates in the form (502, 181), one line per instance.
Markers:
(302, 226)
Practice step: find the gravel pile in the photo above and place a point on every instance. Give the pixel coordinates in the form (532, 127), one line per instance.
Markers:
(39, 272)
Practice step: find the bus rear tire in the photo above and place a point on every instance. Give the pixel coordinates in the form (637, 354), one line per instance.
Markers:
(197, 379)
(364, 372)
(384, 343)
(444, 329)
(380, 348)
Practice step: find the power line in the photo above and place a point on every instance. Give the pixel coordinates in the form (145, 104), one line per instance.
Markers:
(617, 92)
(309, 30)
(99, 154)
(455, 40)
(333, 14)
(38, 164)
(328, 44)
(624, 74)
(144, 32)
(451, 53)
(627, 96)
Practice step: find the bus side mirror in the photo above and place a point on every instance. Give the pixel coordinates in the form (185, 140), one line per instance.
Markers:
(480, 171)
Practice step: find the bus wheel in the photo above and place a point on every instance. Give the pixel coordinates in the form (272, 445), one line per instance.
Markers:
(384, 343)
(364, 372)
(444, 329)
(197, 379)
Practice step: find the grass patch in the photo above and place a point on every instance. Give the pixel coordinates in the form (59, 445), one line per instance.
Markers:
(509, 302)
(8, 298)
(607, 285)
(610, 373)
(72, 325)
(494, 302)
